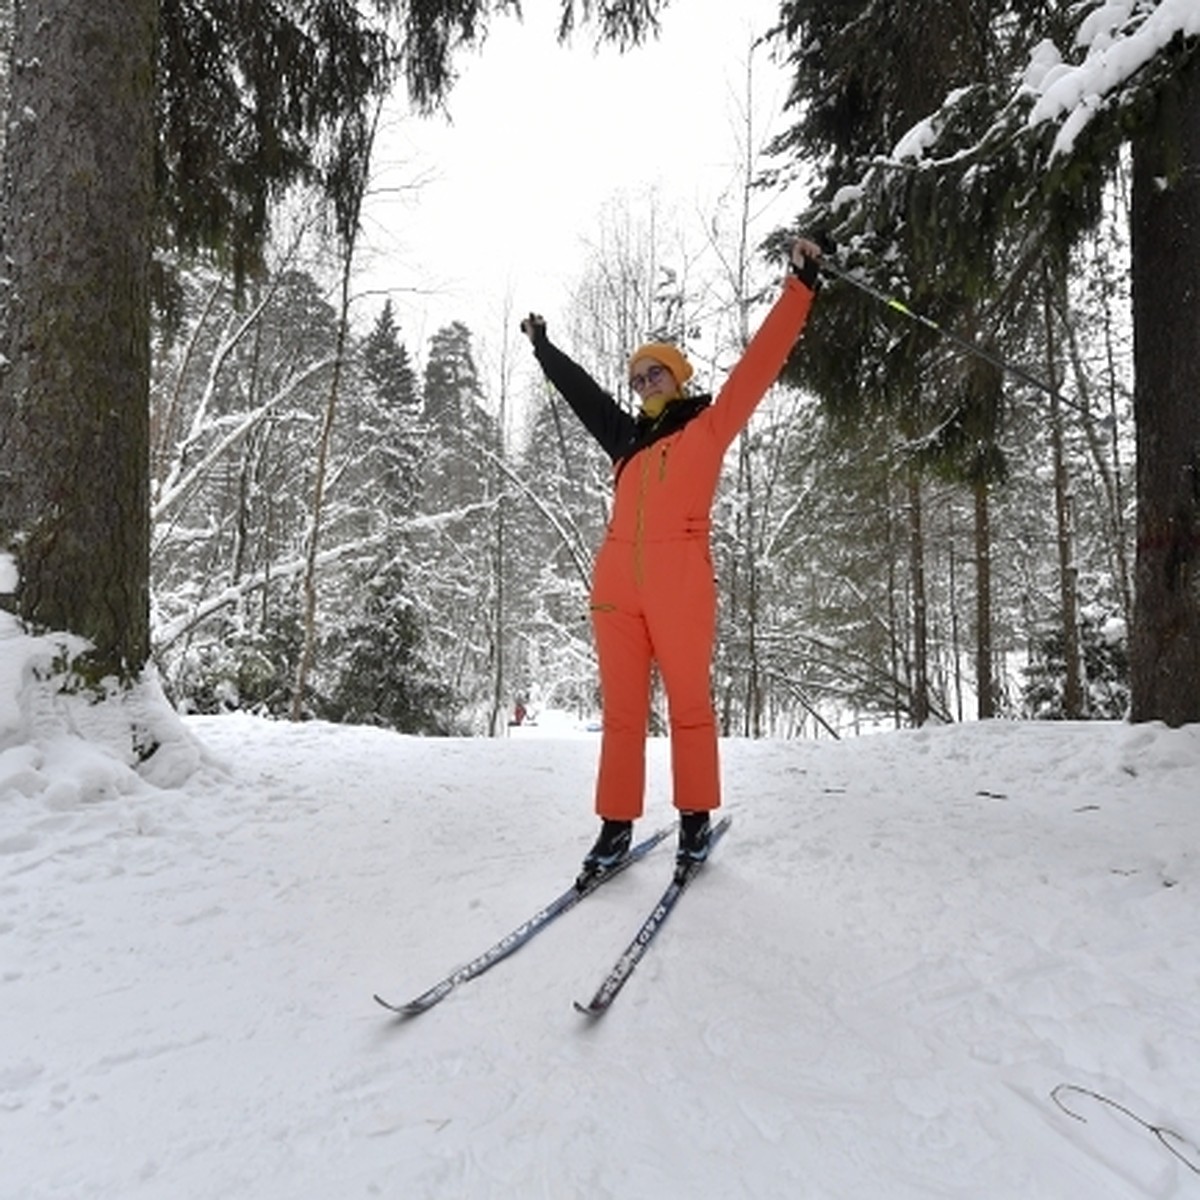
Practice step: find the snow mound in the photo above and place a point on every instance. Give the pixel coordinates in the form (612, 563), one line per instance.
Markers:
(73, 746)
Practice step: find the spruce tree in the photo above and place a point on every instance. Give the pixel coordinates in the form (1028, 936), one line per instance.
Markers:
(1022, 158)
(864, 74)
(388, 366)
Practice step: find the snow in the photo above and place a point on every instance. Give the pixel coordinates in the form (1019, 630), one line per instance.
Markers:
(1113, 43)
(923, 136)
(845, 196)
(955, 962)
(8, 574)
(1118, 40)
(915, 143)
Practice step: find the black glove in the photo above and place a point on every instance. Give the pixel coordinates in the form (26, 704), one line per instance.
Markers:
(808, 272)
(534, 328)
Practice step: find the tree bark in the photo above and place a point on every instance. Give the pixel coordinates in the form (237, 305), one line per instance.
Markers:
(1073, 684)
(74, 396)
(1165, 643)
(919, 689)
(985, 680)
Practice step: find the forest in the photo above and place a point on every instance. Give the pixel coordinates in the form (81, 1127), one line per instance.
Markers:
(312, 517)
(455, 562)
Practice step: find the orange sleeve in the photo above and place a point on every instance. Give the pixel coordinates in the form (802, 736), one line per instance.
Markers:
(762, 360)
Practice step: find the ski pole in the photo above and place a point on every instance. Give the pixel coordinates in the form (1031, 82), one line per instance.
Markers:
(961, 342)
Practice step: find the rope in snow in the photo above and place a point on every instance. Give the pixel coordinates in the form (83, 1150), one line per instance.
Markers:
(1174, 1142)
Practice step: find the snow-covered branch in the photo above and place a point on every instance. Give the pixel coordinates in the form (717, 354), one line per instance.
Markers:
(182, 482)
(166, 634)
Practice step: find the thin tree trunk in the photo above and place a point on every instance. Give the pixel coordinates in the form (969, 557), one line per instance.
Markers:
(324, 441)
(754, 671)
(895, 635)
(919, 703)
(746, 522)
(498, 717)
(731, 600)
(955, 632)
(349, 233)
(1073, 693)
(984, 679)
(1106, 460)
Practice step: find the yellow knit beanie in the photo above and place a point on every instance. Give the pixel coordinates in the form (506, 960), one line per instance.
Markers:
(670, 356)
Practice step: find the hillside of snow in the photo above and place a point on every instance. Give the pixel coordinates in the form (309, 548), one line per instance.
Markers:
(959, 962)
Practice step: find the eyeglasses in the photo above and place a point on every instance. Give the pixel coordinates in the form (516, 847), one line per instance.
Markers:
(645, 378)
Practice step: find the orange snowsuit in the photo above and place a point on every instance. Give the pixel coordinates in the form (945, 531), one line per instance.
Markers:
(654, 596)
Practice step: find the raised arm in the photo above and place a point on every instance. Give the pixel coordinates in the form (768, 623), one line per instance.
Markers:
(768, 350)
(601, 415)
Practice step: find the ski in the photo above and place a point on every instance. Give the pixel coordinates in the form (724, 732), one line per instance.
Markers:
(632, 955)
(521, 935)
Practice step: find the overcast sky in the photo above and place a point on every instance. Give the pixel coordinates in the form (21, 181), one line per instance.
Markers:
(540, 139)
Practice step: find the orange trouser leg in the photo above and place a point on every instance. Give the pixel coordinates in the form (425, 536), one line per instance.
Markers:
(623, 651)
(681, 607)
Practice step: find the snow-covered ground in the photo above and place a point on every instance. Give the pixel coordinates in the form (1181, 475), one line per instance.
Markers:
(961, 962)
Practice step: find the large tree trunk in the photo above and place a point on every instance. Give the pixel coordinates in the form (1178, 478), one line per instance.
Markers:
(1165, 644)
(74, 399)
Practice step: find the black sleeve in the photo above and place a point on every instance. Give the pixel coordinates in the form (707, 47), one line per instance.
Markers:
(601, 415)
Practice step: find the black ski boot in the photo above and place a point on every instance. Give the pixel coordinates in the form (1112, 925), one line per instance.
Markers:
(611, 846)
(695, 831)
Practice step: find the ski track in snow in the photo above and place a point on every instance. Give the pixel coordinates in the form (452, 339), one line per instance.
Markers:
(903, 946)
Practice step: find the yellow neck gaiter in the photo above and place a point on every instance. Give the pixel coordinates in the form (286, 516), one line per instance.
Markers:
(653, 406)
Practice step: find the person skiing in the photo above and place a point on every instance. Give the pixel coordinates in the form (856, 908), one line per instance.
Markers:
(653, 594)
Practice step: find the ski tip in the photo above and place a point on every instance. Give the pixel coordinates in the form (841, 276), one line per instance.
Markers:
(588, 1010)
(400, 1010)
